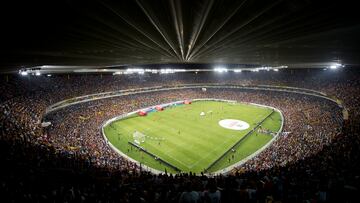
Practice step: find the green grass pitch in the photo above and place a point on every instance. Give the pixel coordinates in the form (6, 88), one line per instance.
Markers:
(180, 136)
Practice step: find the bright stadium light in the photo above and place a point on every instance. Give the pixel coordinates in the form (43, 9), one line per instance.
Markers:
(37, 73)
(237, 70)
(336, 65)
(276, 70)
(23, 73)
(117, 73)
(49, 75)
(134, 70)
(151, 70)
(220, 69)
(264, 68)
(166, 71)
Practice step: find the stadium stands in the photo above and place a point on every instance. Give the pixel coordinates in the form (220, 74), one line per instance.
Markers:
(70, 161)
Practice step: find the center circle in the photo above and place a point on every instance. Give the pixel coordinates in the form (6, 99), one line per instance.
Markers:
(234, 124)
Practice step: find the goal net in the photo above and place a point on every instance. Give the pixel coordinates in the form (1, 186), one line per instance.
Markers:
(138, 137)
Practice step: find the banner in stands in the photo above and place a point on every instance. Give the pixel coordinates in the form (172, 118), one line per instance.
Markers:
(159, 108)
(142, 113)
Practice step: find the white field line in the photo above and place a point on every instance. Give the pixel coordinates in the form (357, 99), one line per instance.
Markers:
(220, 146)
(168, 154)
(262, 116)
(165, 152)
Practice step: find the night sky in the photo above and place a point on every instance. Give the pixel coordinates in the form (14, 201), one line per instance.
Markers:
(172, 31)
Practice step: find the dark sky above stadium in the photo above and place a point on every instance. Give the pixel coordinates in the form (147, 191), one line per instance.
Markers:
(103, 32)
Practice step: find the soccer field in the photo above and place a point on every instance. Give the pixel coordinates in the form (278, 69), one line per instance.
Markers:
(182, 139)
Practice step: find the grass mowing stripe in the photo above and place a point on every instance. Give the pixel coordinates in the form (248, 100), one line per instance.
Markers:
(176, 147)
(195, 135)
(182, 139)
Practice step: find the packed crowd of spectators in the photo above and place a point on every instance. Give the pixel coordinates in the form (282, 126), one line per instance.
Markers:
(315, 161)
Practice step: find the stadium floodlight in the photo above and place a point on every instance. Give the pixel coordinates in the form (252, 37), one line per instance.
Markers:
(140, 71)
(134, 70)
(151, 70)
(237, 70)
(166, 71)
(23, 73)
(276, 70)
(263, 68)
(336, 65)
(220, 69)
(49, 75)
(37, 73)
(117, 73)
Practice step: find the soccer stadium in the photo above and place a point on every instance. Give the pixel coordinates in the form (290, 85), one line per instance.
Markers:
(205, 101)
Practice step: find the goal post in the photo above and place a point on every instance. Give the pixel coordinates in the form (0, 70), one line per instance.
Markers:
(139, 137)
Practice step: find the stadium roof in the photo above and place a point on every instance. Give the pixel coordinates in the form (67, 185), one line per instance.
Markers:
(103, 33)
